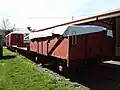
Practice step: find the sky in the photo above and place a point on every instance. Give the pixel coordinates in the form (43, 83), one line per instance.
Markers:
(39, 14)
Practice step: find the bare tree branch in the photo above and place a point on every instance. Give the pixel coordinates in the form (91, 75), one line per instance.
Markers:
(6, 25)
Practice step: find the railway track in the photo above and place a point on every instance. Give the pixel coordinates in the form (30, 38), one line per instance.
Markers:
(102, 77)
(105, 76)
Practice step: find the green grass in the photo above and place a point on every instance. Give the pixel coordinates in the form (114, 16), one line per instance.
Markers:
(19, 73)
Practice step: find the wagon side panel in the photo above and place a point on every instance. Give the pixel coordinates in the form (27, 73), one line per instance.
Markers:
(108, 48)
(77, 47)
(16, 39)
(31, 46)
(51, 43)
(61, 51)
(94, 42)
(10, 40)
(36, 46)
(7, 40)
(40, 47)
(45, 48)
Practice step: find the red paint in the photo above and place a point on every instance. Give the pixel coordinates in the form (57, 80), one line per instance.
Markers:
(77, 50)
(51, 43)
(94, 42)
(14, 39)
(62, 50)
(40, 47)
(31, 46)
(94, 45)
(108, 47)
(36, 48)
(45, 47)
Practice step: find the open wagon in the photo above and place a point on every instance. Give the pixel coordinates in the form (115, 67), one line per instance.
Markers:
(73, 44)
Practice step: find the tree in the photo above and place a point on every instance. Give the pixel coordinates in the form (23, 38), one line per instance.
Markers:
(6, 26)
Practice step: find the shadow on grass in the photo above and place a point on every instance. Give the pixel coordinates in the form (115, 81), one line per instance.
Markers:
(7, 57)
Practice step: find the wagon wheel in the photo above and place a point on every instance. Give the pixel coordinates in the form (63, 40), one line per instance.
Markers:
(39, 60)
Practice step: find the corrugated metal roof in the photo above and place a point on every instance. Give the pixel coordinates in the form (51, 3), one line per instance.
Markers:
(67, 31)
(78, 30)
(104, 15)
(15, 32)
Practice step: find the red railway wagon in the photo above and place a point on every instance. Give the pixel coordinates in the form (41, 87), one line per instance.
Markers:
(73, 43)
(14, 39)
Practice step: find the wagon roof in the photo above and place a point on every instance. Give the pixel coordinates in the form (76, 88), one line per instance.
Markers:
(17, 32)
(66, 31)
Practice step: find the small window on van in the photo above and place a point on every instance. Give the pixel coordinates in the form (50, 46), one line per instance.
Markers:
(109, 33)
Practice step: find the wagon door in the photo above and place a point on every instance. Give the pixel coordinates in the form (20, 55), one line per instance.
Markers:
(16, 39)
(93, 45)
(21, 38)
(107, 47)
(77, 47)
